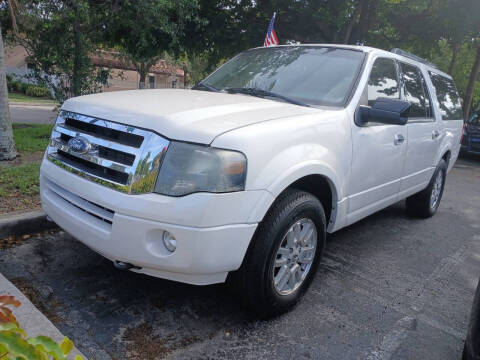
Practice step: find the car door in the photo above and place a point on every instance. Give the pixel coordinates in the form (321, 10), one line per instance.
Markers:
(378, 149)
(423, 131)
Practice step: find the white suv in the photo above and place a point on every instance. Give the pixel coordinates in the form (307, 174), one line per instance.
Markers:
(240, 179)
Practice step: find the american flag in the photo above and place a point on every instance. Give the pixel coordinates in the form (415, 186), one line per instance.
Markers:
(271, 37)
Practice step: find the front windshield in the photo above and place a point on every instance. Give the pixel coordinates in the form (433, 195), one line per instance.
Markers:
(310, 75)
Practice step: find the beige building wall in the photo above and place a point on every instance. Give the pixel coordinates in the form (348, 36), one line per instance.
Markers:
(129, 79)
(15, 57)
(122, 80)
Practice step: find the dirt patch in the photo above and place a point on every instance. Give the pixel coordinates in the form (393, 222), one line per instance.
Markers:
(19, 203)
(24, 158)
(143, 344)
(47, 304)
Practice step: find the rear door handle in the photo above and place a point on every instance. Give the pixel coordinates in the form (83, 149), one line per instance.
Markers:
(435, 134)
(398, 139)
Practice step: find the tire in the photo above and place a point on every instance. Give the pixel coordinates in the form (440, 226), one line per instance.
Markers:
(422, 204)
(295, 212)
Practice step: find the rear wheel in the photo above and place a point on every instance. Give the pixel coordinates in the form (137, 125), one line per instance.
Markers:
(425, 203)
(284, 255)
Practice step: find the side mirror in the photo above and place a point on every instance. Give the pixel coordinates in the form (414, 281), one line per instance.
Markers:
(384, 111)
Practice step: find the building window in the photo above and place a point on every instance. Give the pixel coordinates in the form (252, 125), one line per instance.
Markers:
(174, 84)
(151, 80)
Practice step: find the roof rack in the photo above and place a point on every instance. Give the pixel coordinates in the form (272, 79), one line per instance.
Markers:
(413, 57)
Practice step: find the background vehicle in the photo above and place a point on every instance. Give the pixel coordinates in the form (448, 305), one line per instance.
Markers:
(471, 134)
(472, 343)
(240, 179)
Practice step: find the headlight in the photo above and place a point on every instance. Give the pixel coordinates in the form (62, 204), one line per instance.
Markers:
(189, 168)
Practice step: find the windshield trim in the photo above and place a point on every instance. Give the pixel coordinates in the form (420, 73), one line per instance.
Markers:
(351, 91)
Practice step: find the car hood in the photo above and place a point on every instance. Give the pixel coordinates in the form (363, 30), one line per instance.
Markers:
(188, 115)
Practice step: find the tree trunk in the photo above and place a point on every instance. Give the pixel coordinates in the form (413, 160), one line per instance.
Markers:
(467, 104)
(185, 75)
(453, 62)
(7, 144)
(352, 21)
(143, 76)
(77, 53)
(363, 22)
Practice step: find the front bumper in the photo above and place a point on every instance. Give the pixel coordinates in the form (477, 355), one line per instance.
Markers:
(213, 231)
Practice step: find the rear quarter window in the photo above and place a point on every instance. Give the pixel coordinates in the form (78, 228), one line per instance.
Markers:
(447, 96)
(416, 92)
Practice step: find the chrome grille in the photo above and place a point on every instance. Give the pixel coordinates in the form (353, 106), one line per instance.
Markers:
(118, 156)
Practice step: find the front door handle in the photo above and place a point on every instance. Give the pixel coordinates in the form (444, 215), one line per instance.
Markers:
(435, 134)
(398, 139)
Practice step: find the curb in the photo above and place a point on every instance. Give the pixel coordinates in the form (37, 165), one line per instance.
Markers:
(32, 104)
(26, 223)
(30, 318)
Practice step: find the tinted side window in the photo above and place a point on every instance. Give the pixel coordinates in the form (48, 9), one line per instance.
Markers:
(448, 98)
(383, 81)
(416, 92)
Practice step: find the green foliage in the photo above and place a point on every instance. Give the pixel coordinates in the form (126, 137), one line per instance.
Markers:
(32, 137)
(60, 36)
(36, 91)
(461, 72)
(15, 345)
(162, 25)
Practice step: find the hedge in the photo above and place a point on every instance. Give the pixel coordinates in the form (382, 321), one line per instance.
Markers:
(36, 91)
(27, 89)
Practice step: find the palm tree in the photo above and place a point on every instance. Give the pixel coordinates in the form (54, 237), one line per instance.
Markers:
(7, 144)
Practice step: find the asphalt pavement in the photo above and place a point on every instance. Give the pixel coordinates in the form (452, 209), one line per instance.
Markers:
(389, 287)
(33, 114)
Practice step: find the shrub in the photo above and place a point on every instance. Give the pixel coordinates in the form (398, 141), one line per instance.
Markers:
(23, 87)
(14, 343)
(16, 85)
(10, 82)
(36, 91)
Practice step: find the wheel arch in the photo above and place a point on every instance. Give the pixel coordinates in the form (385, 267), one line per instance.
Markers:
(319, 180)
(446, 156)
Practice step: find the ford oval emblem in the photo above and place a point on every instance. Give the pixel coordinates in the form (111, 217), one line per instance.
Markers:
(79, 145)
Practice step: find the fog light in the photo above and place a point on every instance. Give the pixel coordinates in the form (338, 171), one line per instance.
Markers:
(169, 241)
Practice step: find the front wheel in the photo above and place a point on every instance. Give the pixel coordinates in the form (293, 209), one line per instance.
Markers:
(284, 255)
(426, 202)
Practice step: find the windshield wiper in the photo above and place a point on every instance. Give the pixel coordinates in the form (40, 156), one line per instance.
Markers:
(263, 94)
(203, 86)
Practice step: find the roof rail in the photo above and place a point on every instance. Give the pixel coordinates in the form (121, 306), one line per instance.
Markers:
(413, 57)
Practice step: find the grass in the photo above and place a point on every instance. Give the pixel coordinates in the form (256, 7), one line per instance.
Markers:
(19, 97)
(21, 179)
(31, 137)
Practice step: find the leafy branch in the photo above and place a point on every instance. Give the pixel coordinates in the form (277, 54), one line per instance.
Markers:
(15, 345)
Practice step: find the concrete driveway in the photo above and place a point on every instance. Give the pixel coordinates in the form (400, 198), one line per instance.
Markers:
(33, 114)
(389, 287)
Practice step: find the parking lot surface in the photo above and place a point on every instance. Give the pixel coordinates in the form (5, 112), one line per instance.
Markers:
(389, 287)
